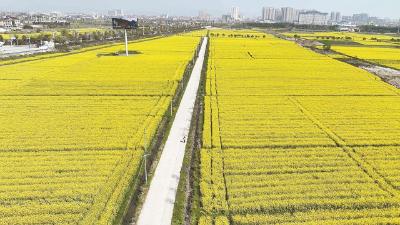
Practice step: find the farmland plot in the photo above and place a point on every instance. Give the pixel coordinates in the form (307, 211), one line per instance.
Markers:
(74, 128)
(389, 57)
(294, 137)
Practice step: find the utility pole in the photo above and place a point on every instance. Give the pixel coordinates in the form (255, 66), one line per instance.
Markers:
(172, 100)
(126, 43)
(145, 167)
(145, 155)
(398, 28)
(144, 139)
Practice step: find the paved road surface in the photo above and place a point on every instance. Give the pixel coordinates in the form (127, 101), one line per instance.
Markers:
(159, 204)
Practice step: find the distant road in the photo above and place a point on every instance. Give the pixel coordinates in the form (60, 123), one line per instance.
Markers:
(9, 51)
(159, 204)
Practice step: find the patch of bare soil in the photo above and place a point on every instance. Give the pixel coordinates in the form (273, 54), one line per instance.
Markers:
(389, 75)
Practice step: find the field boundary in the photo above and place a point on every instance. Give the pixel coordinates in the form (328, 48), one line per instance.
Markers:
(220, 141)
(351, 60)
(364, 166)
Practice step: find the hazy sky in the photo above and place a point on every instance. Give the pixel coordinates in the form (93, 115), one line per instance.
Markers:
(250, 8)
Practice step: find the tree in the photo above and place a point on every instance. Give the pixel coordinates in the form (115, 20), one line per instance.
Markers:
(60, 39)
(327, 47)
(64, 32)
(27, 27)
(96, 36)
(16, 38)
(24, 39)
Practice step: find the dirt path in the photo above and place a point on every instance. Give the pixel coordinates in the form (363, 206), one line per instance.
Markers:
(389, 75)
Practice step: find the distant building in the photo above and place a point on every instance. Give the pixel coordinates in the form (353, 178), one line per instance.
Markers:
(227, 19)
(348, 27)
(48, 20)
(55, 14)
(10, 22)
(335, 17)
(313, 18)
(378, 21)
(289, 15)
(269, 14)
(43, 18)
(203, 15)
(278, 15)
(116, 13)
(332, 17)
(235, 14)
(338, 17)
(361, 19)
(347, 19)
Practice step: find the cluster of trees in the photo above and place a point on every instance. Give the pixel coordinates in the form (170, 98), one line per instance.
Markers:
(236, 35)
(289, 26)
(364, 28)
(66, 37)
(334, 38)
(377, 29)
(23, 39)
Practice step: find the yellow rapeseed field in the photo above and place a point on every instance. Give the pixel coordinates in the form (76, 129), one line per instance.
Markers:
(360, 38)
(294, 137)
(376, 48)
(384, 56)
(74, 128)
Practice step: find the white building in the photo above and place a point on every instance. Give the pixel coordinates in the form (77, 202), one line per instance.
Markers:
(269, 14)
(332, 17)
(43, 18)
(203, 15)
(313, 18)
(335, 17)
(226, 19)
(235, 14)
(116, 13)
(10, 22)
(289, 15)
(278, 15)
(338, 17)
(361, 19)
